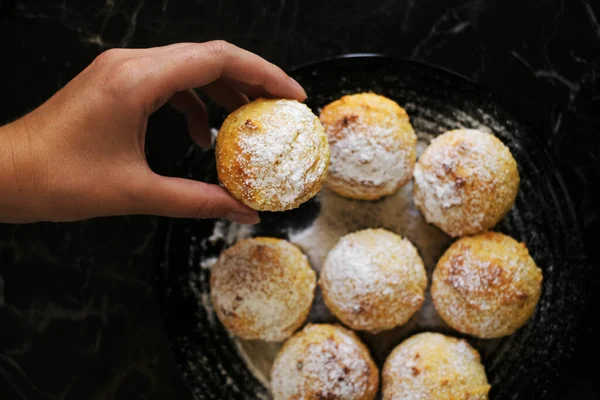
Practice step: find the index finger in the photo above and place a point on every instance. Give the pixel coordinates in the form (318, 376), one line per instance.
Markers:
(199, 64)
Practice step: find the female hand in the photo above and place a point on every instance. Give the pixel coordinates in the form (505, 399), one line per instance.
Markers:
(81, 154)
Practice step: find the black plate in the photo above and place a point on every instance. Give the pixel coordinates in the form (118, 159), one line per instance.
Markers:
(521, 366)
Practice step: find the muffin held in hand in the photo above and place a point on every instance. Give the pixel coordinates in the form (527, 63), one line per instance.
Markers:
(466, 181)
(486, 285)
(262, 289)
(272, 155)
(373, 280)
(324, 362)
(373, 146)
(434, 366)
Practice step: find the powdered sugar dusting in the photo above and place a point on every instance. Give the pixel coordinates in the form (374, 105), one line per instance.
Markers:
(258, 357)
(434, 366)
(444, 192)
(397, 213)
(442, 175)
(287, 158)
(372, 145)
(486, 285)
(227, 232)
(260, 290)
(375, 279)
(339, 216)
(370, 155)
(331, 366)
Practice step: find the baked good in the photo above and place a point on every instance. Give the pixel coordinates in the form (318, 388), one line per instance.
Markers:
(262, 289)
(373, 280)
(486, 285)
(373, 146)
(272, 154)
(466, 181)
(324, 362)
(434, 366)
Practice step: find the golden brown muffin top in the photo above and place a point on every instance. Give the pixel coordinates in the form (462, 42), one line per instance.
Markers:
(324, 362)
(262, 288)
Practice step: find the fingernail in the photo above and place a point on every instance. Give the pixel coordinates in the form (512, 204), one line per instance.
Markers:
(243, 218)
(299, 88)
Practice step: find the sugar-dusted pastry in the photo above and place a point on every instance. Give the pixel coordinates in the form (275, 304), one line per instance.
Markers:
(373, 280)
(373, 146)
(466, 181)
(262, 288)
(434, 366)
(272, 154)
(486, 285)
(324, 362)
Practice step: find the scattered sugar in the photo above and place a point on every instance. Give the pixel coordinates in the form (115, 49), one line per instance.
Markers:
(208, 263)
(214, 132)
(229, 233)
(206, 303)
(218, 233)
(258, 357)
(196, 285)
(397, 213)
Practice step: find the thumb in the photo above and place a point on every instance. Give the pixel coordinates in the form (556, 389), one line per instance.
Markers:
(184, 198)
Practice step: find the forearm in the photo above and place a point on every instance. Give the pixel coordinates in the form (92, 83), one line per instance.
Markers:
(19, 184)
(38, 183)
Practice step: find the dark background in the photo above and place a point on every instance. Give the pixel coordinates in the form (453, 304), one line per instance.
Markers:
(78, 313)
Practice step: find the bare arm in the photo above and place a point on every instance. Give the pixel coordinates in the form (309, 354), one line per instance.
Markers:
(81, 154)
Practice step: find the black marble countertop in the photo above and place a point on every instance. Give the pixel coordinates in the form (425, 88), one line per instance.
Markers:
(78, 314)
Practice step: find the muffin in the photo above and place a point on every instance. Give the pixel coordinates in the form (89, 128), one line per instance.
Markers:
(434, 366)
(324, 362)
(486, 285)
(272, 155)
(373, 280)
(262, 289)
(373, 146)
(465, 182)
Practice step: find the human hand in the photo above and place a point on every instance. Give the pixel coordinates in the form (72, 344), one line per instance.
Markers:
(81, 154)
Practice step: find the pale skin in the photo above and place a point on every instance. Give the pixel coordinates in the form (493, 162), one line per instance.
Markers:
(81, 154)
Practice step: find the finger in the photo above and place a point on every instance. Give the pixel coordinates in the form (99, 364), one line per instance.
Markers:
(252, 91)
(198, 65)
(225, 95)
(152, 51)
(129, 53)
(189, 104)
(169, 47)
(184, 198)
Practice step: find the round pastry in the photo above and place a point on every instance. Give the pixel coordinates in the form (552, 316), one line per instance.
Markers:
(262, 289)
(486, 285)
(272, 155)
(434, 366)
(373, 146)
(324, 362)
(373, 280)
(465, 182)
